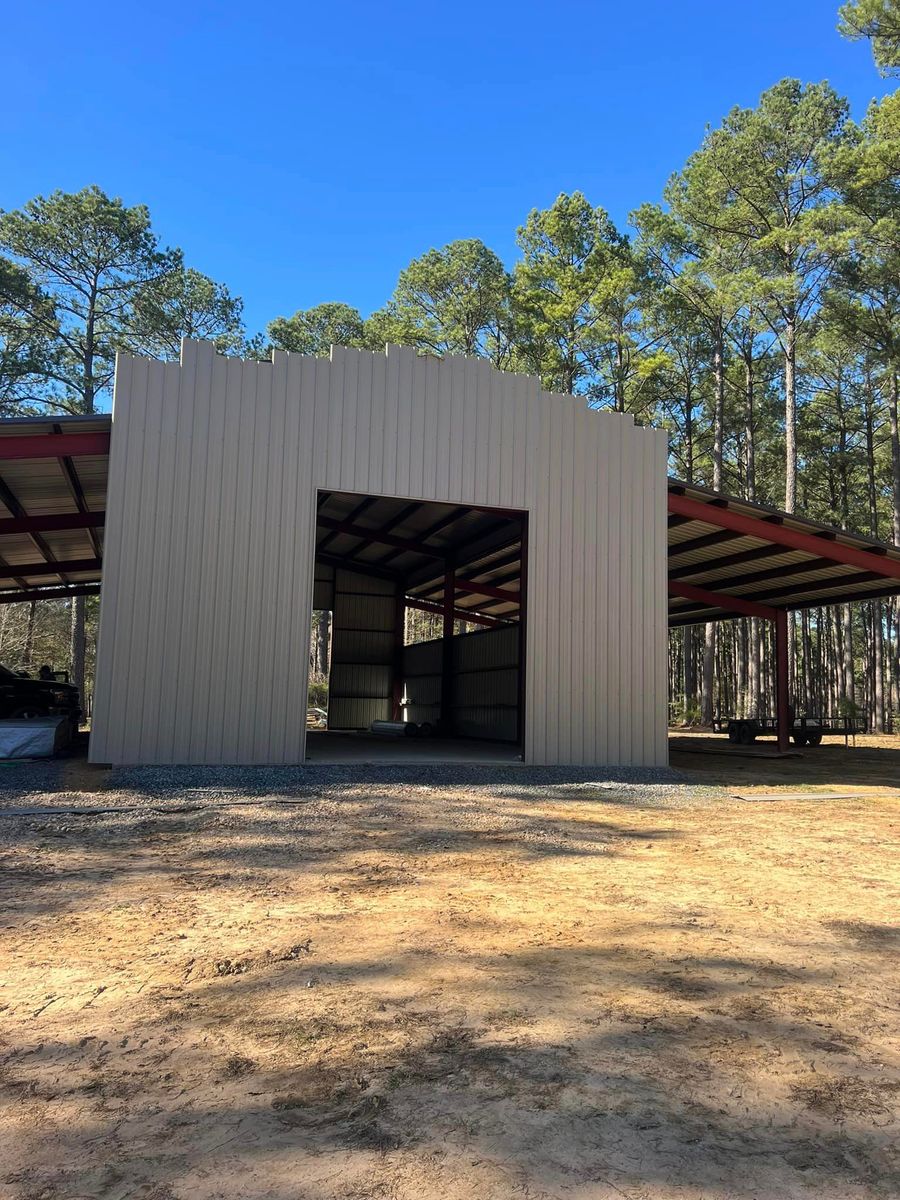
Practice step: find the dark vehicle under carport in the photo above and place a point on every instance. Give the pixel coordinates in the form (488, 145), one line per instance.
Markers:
(24, 698)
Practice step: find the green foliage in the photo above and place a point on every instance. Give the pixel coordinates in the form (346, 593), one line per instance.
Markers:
(316, 330)
(879, 21)
(450, 301)
(26, 345)
(93, 257)
(576, 294)
(183, 303)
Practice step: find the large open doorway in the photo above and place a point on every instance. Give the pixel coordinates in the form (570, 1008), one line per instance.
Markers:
(427, 647)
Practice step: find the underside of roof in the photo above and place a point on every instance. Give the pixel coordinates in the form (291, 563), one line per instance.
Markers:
(416, 543)
(53, 474)
(727, 556)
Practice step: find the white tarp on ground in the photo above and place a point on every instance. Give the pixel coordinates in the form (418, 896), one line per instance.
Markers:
(40, 738)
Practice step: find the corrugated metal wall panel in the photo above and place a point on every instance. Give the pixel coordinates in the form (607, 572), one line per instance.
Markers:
(362, 650)
(364, 646)
(323, 594)
(363, 612)
(365, 681)
(323, 588)
(493, 648)
(486, 684)
(422, 682)
(208, 573)
(353, 584)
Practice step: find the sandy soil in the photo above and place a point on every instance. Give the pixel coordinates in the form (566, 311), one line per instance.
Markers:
(870, 766)
(419, 993)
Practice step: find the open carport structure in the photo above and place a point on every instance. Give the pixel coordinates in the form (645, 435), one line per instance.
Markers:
(729, 557)
(53, 474)
(241, 494)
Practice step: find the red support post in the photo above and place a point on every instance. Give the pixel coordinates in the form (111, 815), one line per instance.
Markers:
(399, 639)
(782, 701)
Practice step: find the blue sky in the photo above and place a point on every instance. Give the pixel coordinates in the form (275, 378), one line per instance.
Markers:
(303, 153)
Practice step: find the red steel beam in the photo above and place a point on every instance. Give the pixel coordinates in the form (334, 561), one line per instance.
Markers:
(727, 560)
(54, 445)
(485, 589)
(71, 565)
(796, 539)
(84, 589)
(459, 614)
(736, 604)
(372, 535)
(46, 524)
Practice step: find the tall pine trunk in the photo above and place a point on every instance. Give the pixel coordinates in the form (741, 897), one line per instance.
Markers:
(709, 640)
(78, 639)
(790, 411)
(29, 636)
(895, 456)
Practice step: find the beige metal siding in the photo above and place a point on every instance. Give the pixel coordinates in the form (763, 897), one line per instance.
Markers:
(208, 577)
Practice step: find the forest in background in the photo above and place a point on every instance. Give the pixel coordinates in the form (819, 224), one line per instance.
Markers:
(754, 312)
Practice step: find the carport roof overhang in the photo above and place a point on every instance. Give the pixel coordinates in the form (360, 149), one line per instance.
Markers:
(727, 556)
(53, 473)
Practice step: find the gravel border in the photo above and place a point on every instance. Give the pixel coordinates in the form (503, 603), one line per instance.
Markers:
(62, 788)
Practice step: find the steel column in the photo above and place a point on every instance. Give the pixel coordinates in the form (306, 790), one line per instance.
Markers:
(397, 665)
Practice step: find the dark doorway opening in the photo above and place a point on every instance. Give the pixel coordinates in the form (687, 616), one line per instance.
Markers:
(428, 604)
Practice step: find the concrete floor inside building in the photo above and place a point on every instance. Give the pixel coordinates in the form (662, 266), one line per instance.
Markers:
(330, 746)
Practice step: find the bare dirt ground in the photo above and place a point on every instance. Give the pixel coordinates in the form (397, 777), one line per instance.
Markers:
(873, 763)
(398, 992)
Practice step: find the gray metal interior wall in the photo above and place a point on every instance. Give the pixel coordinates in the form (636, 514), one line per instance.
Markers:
(362, 651)
(486, 684)
(485, 689)
(422, 682)
(208, 573)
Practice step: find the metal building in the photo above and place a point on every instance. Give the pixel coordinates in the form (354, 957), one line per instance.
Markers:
(227, 499)
(381, 480)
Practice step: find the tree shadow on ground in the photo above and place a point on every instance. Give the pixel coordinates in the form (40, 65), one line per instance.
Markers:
(108, 851)
(405, 1093)
(461, 1050)
(711, 761)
